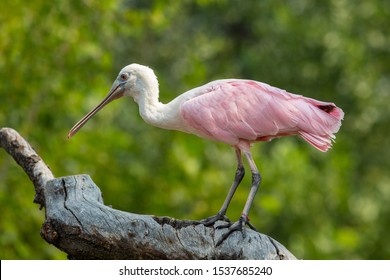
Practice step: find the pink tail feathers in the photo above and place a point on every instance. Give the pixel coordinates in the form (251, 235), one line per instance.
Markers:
(325, 121)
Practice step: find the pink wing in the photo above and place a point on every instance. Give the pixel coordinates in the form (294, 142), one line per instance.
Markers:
(236, 111)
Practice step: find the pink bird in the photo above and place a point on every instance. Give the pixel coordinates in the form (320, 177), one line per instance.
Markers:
(236, 112)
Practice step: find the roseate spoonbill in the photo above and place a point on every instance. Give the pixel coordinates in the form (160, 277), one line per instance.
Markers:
(236, 112)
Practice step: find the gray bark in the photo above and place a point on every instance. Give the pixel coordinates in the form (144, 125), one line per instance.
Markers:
(78, 223)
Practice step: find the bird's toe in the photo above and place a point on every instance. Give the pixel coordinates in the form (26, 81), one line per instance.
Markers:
(218, 217)
(237, 226)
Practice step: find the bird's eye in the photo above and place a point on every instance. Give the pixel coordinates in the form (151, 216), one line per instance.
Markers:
(123, 76)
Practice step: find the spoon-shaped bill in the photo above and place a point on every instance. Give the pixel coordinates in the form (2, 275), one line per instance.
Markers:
(115, 93)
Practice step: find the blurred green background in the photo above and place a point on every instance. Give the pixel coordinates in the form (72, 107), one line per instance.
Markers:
(58, 60)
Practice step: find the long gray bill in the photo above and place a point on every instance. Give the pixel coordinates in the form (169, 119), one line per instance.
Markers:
(114, 93)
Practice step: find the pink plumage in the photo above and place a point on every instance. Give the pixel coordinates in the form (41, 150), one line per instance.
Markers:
(241, 112)
(236, 112)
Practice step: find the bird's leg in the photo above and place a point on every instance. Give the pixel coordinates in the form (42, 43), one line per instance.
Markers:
(240, 172)
(244, 219)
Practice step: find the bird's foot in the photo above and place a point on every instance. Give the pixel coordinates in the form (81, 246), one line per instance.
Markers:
(237, 226)
(211, 220)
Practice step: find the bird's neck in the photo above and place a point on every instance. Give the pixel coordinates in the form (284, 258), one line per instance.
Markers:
(150, 106)
(156, 113)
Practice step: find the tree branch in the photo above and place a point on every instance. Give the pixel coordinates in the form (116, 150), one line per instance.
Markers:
(78, 222)
(27, 158)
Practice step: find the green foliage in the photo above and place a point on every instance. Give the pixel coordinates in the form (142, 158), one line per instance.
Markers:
(58, 60)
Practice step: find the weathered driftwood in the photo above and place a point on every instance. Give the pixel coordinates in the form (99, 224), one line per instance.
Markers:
(27, 158)
(78, 222)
